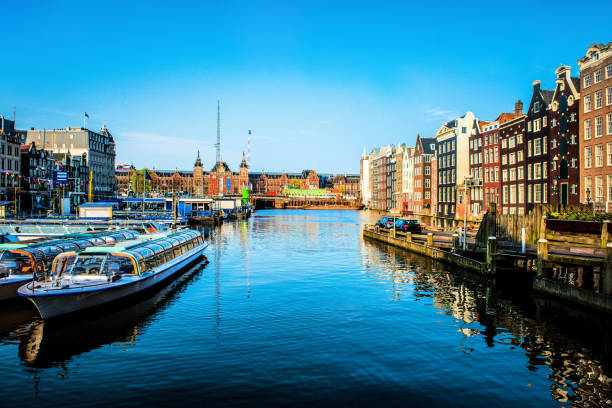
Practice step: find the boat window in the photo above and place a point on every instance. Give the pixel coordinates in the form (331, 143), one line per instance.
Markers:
(88, 265)
(15, 263)
(62, 263)
(120, 265)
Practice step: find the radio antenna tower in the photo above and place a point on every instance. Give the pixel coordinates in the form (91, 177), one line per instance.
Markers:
(249, 151)
(218, 144)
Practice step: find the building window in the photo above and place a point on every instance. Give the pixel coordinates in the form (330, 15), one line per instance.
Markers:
(529, 172)
(536, 107)
(587, 104)
(464, 130)
(520, 174)
(598, 99)
(544, 121)
(587, 129)
(599, 191)
(537, 193)
(609, 188)
(599, 155)
(609, 95)
(587, 188)
(529, 144)
(537, 148)
(588, 159)
(599, 126)
(536, 125)
(597, 76)
(544, 145)
(587, 81)
(537, 171)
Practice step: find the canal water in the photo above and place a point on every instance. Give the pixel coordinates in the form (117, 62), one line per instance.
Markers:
(296, 309)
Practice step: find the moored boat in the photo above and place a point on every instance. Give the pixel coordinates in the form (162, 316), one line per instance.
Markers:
(100, 275)
(19, 262)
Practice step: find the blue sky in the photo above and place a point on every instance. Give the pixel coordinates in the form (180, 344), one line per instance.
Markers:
(315, 81)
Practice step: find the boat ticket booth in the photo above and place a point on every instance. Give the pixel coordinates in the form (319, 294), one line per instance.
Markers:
(96, 210)
(202, 207)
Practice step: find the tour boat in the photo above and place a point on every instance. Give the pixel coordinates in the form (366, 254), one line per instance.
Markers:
(20, 262)
(102, 274)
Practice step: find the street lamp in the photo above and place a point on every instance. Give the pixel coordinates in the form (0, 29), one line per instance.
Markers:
(555, 182)
(468, 182)
(588, 192)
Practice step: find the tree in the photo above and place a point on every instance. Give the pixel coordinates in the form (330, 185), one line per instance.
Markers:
(295, 183)
(136, 182)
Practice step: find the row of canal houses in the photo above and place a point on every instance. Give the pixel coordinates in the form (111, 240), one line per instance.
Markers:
(558, 151)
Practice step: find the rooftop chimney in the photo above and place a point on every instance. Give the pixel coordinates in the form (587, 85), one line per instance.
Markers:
(518, 108)
(536, 85)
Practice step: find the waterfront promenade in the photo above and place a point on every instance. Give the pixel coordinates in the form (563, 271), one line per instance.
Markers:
(295, 308)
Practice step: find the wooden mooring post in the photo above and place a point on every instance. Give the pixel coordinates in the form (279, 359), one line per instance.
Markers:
(542, 256)
(491, 250)
(607, 271)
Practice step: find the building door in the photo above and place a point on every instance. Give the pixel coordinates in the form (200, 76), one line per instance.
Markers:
(564, 193)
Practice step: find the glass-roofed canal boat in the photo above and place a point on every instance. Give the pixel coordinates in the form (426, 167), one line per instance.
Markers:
(20, 262)
(104, 274)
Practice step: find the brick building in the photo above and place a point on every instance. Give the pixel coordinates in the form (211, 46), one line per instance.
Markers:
(537, 158)
(596, 125)
(492, 189)
(476, 205)
(98, 146)
(197, 183)
(276, 183)
(37, 175)
(424, 151)
(409, 182)
(10, 140)
(564, 150)
(512, 165)
(452, 145)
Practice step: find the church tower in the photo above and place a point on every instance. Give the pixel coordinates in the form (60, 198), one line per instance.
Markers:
(198, 178)
(243, 174)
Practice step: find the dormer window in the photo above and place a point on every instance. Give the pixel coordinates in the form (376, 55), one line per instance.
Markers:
(536, 107)
(595, 55)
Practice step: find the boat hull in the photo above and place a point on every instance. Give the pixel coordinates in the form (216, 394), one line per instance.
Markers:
(64, 303)
(9, 286)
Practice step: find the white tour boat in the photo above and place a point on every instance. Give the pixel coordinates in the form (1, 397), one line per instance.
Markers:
(100, 275)
(20, 262)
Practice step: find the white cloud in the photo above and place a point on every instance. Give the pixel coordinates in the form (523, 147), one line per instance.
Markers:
(441, 114)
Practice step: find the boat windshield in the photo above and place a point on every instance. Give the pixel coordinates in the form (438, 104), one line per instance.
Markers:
(107, 264)
(15, 263)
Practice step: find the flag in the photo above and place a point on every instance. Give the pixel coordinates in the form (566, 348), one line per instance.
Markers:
(86, 115)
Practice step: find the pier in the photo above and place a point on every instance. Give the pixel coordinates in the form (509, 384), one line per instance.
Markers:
(570, 260)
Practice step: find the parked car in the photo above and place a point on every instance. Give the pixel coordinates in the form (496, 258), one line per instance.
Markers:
(408, 226)
(385, 222)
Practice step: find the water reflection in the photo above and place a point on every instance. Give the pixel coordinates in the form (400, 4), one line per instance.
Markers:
(48, 344)
(576, 365)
